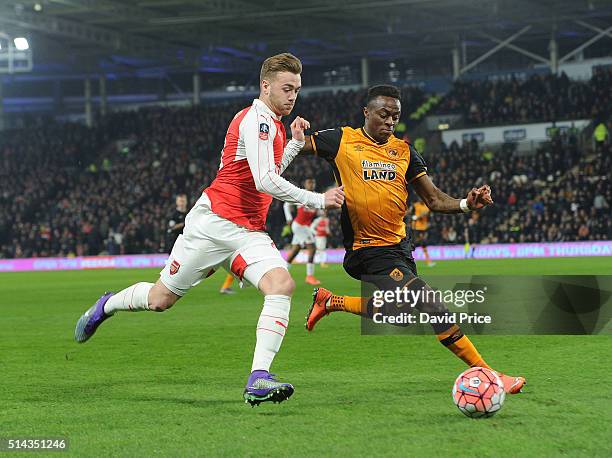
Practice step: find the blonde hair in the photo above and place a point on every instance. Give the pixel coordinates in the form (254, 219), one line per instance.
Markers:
(284, 62)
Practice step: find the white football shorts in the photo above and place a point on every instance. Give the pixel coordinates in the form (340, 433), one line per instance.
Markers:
(210, 242)
(302, 235)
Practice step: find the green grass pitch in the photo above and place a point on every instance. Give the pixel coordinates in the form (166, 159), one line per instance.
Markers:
(171, 384)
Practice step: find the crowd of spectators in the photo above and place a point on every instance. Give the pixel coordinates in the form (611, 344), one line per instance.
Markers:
(537, 98)
(557, 194)
(35, 166)
(117, 200)
(68, 190)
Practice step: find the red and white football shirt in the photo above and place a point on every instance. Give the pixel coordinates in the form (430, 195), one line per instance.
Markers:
(254, 155)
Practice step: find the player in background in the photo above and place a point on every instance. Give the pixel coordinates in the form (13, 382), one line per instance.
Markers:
(376, 168)
(303, 233)
(469, 233)
(321, 228)
(226, 287)
(419, 224)
(226, 226)
(176, 223)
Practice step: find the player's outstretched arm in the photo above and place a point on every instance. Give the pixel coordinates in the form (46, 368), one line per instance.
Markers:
(438, 201)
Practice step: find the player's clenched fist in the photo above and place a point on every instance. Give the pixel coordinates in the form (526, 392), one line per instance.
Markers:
(334, 198)
(479, 198)
(298, 126)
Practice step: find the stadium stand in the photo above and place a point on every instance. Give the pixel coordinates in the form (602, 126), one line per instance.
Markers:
(537, 98)
(557, 194)
(67, 190)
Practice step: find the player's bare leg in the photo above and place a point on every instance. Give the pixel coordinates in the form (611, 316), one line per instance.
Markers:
(310, 267)
(295, 249)
(136, 298)
(321, 249)
(277, 287)
(428, 260)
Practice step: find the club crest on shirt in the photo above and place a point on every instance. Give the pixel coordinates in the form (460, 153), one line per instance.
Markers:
(396, 274)
(264, 130)
(174, 267)
(392, 153)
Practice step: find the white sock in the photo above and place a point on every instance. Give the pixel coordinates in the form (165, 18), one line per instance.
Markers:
(323, 257)
(310, 269)
(135, 299)
(271, 329)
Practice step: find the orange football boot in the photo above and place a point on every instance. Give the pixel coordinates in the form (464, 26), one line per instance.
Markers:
(311, 280)
(317, 310)
(512, 385)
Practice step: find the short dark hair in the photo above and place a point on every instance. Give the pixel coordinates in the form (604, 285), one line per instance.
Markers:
(385, 90)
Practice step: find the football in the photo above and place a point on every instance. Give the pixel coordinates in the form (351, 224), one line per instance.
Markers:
(478, 392)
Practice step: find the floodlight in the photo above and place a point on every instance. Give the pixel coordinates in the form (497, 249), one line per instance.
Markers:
(21, 43)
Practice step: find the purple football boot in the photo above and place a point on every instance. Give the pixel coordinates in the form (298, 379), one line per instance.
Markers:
(262, 387)
(91, 319)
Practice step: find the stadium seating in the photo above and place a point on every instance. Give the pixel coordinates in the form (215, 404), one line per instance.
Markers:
(67, 190)
(558, 194)
(537, 98)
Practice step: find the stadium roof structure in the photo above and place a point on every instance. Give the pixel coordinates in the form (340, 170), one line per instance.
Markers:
(232, 36)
